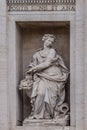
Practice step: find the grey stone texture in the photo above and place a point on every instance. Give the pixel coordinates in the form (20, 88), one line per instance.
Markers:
(11, 73)
(3, 67)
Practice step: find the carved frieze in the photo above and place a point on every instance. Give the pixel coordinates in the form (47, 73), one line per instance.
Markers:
(41, 5)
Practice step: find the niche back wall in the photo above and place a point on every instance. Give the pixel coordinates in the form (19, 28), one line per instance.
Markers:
(32, 40)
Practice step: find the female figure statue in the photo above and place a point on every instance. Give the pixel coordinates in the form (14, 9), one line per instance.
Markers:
(49, 77)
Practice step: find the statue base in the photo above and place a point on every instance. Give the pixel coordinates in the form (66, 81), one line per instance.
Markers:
(44, 125)
(62, 121)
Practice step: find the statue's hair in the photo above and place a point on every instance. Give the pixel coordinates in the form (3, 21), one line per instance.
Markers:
(46, 36)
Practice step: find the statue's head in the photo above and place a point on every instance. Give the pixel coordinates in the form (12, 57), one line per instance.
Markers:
(48, 39)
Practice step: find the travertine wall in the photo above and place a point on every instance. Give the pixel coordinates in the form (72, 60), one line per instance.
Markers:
(85, 65)
(80, 44)
(79, 67)
(3, 68)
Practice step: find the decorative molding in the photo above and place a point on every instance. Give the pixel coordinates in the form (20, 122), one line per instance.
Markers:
(41, 5)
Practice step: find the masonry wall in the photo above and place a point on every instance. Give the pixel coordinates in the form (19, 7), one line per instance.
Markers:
(7, 113)
(3, 67)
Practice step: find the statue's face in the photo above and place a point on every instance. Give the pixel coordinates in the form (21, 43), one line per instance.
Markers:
(49, 41)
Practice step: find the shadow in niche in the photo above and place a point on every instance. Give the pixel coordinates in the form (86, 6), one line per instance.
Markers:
(67, 90)
(27, 103)
(32, 40)
(20, 115)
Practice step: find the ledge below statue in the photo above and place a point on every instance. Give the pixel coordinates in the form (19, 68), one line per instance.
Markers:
(44, 125)
(63, 121)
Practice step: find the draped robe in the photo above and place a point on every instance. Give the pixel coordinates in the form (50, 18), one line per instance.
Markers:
(49, 84)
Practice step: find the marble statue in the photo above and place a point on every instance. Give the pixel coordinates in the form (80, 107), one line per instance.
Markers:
(46, 77)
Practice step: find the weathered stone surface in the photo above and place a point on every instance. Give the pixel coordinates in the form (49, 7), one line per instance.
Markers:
(41, 5)
(9, 80)
(3, 67)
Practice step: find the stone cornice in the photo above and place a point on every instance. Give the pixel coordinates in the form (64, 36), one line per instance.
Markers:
(41, 5)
